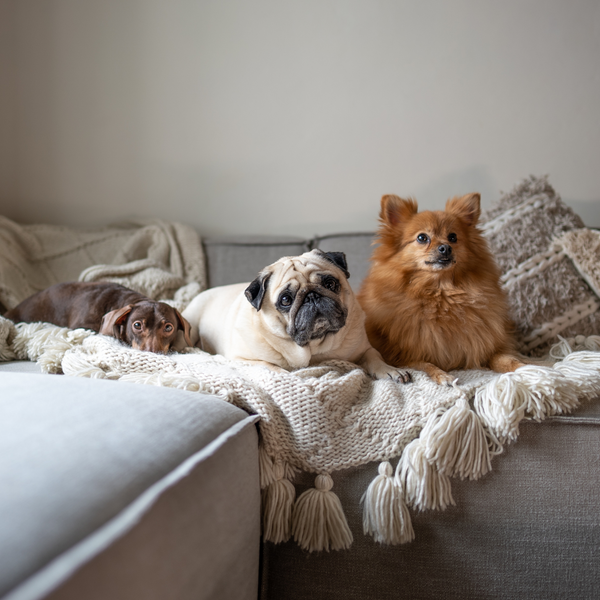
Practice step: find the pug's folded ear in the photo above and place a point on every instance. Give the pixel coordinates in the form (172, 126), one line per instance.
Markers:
(339, 260)
(112, 321)
(255, 292)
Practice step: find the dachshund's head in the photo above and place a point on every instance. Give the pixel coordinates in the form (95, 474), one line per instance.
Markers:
(146, 325)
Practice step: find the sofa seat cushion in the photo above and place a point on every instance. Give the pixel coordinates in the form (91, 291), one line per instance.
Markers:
(20, 366)
(82, 461)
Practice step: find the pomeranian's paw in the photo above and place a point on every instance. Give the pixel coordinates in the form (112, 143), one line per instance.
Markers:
(438, 375)
(442, 378)
(506, 363)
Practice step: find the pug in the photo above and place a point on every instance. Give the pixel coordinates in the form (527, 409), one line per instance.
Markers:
(299, 311)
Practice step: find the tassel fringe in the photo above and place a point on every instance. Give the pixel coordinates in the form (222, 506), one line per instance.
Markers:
(7, 336)
(455, 441)
(46, 344)
(318, 521)
(501, 404)
(277, 503)
(425, 487)
(385, 515)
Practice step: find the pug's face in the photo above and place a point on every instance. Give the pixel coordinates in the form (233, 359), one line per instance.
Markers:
(304, 297)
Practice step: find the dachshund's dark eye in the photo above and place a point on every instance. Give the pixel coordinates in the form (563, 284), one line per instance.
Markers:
(286, 300)
(137, 325)
(331, 283)
(423, 238)
(452, 238)
(168, 327)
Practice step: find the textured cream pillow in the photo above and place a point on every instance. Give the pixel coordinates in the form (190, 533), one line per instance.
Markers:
(549, 262)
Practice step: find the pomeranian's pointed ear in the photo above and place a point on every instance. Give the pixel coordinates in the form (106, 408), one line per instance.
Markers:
(394, 209)
(466, 207)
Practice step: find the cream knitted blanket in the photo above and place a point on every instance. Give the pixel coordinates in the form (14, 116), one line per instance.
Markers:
(330, 417)
(319, 419)
(157, 258)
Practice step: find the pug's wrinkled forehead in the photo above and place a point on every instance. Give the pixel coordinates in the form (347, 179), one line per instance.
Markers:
(300, 268)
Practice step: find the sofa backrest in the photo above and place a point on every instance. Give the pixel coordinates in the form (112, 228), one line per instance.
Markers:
(240, 259)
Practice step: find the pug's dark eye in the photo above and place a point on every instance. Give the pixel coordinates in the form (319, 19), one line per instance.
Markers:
(286, 300)
(452, 238)
(331, 283)
(137, 325)
(423, 238)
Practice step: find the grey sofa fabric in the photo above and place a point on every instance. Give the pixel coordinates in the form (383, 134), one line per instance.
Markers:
(199, 540)
(20, 366)
(237, 260)
(357, 247)
(528, 530)
(87, 463)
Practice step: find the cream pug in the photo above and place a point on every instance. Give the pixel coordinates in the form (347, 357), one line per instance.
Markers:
(299, 311)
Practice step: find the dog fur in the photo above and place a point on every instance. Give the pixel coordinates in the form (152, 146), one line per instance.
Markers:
(107, 308)
(432, 297)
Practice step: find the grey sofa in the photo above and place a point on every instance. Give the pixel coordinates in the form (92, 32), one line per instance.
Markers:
(117, 490)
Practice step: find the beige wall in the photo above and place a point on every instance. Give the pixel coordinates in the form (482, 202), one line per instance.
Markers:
(7, 103)
(286, 117)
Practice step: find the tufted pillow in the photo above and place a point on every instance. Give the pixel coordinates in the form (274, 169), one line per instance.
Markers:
(549, 263)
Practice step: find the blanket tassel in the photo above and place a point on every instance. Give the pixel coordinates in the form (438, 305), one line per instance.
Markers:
(385, 515)
(7, 336)
(456, 441)
(46, 344)
(425, 487)
(318, 522)
(277, 499)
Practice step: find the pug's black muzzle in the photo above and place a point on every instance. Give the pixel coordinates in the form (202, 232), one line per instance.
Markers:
(316, 316)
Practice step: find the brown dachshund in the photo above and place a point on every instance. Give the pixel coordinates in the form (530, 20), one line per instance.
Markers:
(108, 308)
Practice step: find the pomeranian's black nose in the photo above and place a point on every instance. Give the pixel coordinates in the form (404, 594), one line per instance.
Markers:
(445, 250)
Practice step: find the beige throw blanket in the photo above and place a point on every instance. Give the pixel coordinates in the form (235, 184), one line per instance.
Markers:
(319, 419)
(330, 417)
(157, 258)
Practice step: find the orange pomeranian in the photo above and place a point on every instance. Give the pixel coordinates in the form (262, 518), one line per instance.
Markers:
(432, 298)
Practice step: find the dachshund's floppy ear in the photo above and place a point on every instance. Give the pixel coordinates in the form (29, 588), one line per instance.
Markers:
(112, 321)
(255, 292)
(183, 324)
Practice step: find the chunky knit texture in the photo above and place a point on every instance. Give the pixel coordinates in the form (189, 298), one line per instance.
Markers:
(333, 416)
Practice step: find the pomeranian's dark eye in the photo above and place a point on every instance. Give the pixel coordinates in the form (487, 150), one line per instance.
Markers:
(422, 238)
(452, 238)
(137, 325)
